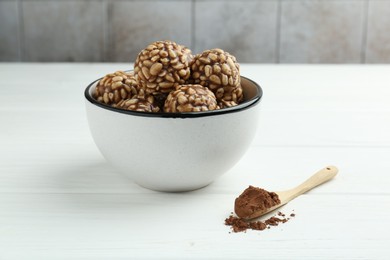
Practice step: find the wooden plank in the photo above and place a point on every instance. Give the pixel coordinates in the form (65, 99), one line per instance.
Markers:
(61, 168)
(188, 225)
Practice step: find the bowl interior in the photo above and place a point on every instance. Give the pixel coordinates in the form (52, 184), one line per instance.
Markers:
(252, 95)
(251, 90)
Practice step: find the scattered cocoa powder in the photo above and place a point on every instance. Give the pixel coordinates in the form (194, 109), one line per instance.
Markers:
(274, 221)
(257, 225)
(254, 199)
(239, 224)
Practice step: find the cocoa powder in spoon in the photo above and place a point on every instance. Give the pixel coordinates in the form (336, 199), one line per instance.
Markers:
(254, 199)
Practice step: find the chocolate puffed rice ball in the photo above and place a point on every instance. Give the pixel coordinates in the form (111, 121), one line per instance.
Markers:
(141, 102)
(219, 71)
(162, 66)
(190, 98)
(115, 87)
(224, 104)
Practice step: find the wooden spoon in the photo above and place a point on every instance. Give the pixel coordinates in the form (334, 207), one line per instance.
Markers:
(318, 178)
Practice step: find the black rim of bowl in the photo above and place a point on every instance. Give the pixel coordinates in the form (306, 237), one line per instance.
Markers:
(240, 107)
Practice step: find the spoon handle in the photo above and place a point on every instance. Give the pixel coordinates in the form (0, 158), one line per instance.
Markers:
(318, 178)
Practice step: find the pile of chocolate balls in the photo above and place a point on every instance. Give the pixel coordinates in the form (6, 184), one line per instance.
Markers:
(168, 78)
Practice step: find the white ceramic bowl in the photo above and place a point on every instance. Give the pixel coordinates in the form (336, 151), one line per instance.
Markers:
(174, 151)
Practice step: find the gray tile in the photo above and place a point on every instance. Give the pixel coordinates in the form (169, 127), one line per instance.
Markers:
(378, 36)
(133, 25)
(248, 29)
(321, 31)
(9, 33)
(63, 30)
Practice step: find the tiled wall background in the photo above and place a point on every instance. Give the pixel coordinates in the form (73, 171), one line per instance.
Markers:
(265, 31)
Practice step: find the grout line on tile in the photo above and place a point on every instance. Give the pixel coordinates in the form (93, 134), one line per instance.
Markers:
(365, 32)
(109, 45)
(193, 24)
(21, 41)
(278, 31)
(104, 29)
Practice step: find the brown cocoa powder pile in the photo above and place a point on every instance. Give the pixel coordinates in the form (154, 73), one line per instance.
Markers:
(254, 199)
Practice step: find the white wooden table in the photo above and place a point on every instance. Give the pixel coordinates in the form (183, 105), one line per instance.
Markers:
(59, 199)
